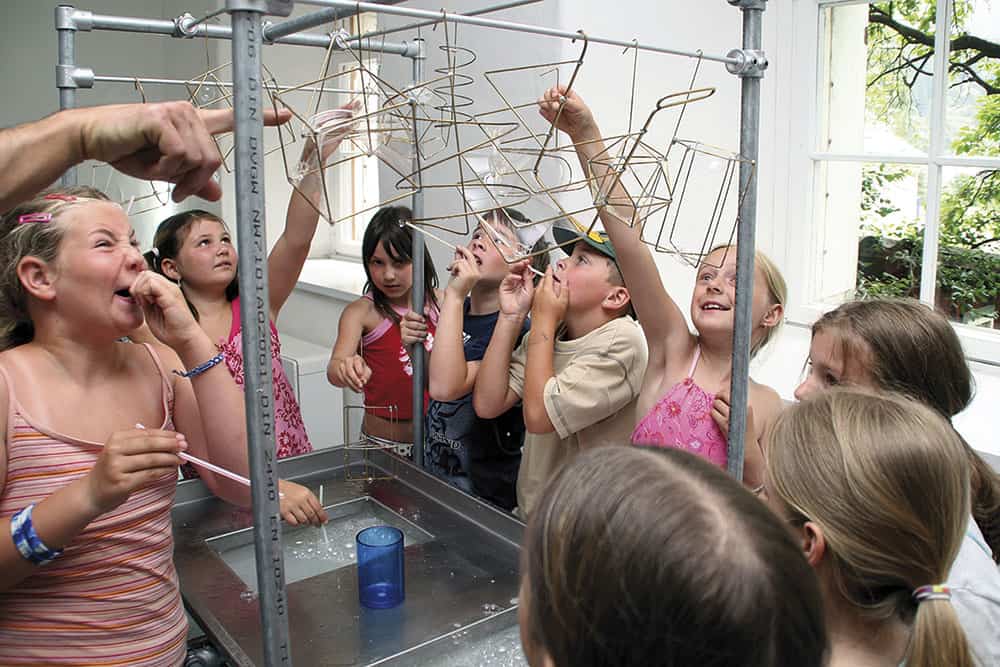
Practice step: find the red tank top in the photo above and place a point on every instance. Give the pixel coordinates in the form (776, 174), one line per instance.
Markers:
(389, 392)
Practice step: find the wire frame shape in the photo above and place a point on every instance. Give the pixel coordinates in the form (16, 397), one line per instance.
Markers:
(705, 190)
(369, 132)
(208, 90)
(359, 463)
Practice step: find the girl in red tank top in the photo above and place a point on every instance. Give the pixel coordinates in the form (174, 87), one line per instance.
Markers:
(371, 353)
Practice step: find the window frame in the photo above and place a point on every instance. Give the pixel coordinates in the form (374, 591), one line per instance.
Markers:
(349, 183)
(802, 123)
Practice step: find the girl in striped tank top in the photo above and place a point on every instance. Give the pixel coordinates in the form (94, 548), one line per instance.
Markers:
(86, 570)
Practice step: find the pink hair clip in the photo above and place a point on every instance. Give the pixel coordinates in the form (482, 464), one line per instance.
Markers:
(60, 197)
(34, 217)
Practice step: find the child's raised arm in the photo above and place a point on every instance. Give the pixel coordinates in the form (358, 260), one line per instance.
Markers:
(492, 395)
(667, 335)
(347, 368)
(451, 376)
(284, 264)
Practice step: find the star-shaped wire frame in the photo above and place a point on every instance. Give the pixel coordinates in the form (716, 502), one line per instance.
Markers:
(394, 125)
(209, 90)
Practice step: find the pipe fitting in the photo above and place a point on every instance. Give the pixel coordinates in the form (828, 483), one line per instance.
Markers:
(64, 18)
(270, 7)
(70, 18)
(417, 49)
(752, 63)
(186, 25)
(68, 76)
(749, 4)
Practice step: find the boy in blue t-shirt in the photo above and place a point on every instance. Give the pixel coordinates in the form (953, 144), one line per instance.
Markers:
(480, 456)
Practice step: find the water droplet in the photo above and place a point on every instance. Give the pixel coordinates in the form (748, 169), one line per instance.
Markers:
(513, 602)
(490, 608)
(248, 596)
(493, 581)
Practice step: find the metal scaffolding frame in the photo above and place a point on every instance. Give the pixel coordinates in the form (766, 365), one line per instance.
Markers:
(248, 34)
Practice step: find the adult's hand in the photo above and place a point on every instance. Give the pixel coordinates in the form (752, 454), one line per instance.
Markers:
(169, 141)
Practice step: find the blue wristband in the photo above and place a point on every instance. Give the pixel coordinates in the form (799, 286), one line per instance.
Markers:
(28, 544)
(201, 368)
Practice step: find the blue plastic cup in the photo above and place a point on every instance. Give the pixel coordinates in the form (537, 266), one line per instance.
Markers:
(380, 567)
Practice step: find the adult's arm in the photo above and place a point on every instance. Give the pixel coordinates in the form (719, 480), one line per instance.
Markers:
(168, 141)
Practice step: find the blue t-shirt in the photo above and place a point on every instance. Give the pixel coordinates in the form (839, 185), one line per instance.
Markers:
(480, 456)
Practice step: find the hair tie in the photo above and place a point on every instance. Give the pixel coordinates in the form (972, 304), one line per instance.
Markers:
(59, 196)
(934, 592)
(34, 217)
(155, 251)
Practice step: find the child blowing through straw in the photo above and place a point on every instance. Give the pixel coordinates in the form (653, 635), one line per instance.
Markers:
(88, 577)
(477, 455)
(579, 369)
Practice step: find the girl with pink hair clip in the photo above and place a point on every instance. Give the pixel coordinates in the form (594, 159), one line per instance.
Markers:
(88, 576)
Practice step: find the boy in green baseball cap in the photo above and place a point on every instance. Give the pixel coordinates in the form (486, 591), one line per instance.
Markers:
(577, 372)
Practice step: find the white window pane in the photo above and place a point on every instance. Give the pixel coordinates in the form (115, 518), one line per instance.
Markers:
(877, 65)
(869, 230)
(893, 210)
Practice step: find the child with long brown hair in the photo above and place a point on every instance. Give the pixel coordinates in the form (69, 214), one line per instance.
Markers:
(876, 489)
(371, 354)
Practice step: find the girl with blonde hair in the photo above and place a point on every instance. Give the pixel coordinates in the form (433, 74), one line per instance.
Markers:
(684, 398)
(86, 573)
(902, 345)
(876, 490)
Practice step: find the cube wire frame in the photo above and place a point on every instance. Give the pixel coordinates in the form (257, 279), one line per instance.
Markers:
(247, 13)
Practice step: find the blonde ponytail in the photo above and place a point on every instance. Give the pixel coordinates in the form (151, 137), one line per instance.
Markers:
(886, 478)
(938, 638)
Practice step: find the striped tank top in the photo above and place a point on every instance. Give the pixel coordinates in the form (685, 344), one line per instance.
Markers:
(112, 598)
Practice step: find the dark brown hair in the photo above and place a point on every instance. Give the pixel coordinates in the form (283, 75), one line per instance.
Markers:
(169, 238)
(397, 240)
(913, 350)
(655, 557)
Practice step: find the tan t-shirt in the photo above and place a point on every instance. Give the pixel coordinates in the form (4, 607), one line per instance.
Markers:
(590, 400)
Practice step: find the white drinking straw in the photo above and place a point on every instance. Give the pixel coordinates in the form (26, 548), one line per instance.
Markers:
(209, 466)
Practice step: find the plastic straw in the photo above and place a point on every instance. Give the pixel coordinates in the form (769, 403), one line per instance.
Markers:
(209, 466)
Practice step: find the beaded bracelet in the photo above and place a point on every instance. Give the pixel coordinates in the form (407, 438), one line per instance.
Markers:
(201, 368)
(28, 544)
